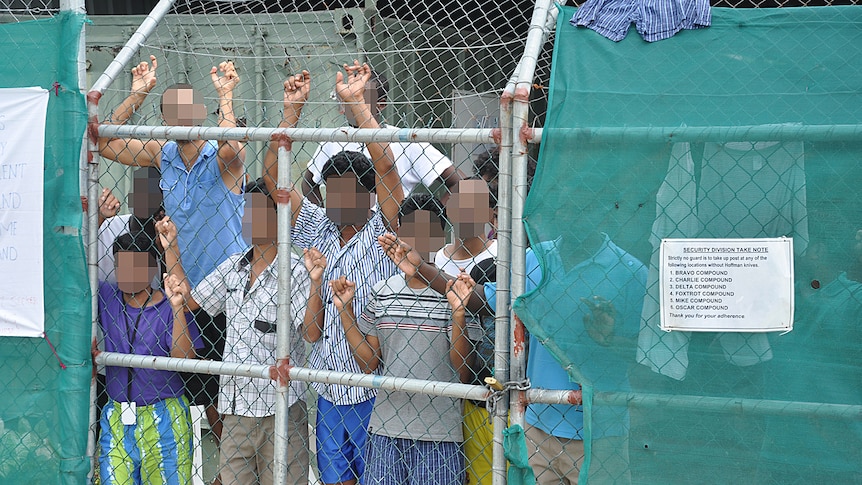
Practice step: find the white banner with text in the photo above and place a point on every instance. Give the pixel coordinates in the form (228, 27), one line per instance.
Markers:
(22, 161)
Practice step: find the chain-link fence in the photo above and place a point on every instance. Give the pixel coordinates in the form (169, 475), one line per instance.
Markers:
(219, 152)
(437, 76)
(680, 155)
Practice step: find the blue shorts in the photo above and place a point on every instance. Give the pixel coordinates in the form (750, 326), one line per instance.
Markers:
(342, 431)
(399, 461)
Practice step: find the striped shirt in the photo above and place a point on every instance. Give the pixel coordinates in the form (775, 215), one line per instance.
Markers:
(251, 323)
(361, 261)
(655, 19)
(414, 327)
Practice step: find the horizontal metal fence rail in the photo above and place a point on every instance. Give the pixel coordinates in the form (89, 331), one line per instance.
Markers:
(467, 391)
(486, 135)
(436, 388)
(780, 132)
(343, 134)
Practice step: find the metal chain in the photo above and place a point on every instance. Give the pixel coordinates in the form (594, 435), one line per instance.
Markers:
(499, 389)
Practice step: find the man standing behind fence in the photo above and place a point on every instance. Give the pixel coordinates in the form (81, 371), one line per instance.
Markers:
(347, 237)
(202, 183)
(469, 247)
(146, 426)
(245, 287)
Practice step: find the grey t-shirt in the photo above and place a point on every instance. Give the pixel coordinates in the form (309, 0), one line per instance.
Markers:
(414, 328)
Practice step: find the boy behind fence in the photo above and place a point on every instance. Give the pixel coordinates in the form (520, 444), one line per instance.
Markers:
(146, 434)
(408, 330)
(202, 183)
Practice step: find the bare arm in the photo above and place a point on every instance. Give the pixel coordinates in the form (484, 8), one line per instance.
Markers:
(181, 341)
(411, 263)
(351, 90)
(109, 206)
(461, 353)
(311, 190)
(312, 324)
(450, 178)
(366, 348)
(132, 151)
(296, 89)
(231, 153)
(167, 231)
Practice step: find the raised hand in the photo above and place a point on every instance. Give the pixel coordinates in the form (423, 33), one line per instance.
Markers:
(599, 323)
(407, 259)
(296, 88)
(350, 87)
(343, 292)
(144, 76)
(176, 290)
(225, 84)
(315, 263)
(458, 292)
(167, 231)
(108, 204)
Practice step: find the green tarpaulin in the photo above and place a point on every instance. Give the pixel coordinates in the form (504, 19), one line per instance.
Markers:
(746, 129)
(43, 408)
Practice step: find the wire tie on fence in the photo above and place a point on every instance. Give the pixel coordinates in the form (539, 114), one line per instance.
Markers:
(62, 365)
(56, 87)
(499, 389)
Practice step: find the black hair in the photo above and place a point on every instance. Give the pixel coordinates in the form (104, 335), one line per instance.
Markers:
(136, 244)
(426, 202)
(349, 161)
(145, 228)
(484, 271)
(381, 83)
(172, 86)
(487, 166)
(258, 186)
(487, 163)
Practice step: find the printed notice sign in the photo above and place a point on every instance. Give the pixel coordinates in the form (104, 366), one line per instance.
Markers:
(729, 285)
(22, 165)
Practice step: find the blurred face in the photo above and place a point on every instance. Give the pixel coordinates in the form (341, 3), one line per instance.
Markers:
(259, 222)
(146, 197)
(135, 271)
(468, 209)
(421, 230)
(347, 202)
(370, 99)
(183, 107)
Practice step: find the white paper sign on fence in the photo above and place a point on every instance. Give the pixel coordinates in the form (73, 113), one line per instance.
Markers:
(731, 285)
(22, 162)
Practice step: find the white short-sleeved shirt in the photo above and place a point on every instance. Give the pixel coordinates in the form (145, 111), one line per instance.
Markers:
(417, 163)
(251, 324)
(453, 267)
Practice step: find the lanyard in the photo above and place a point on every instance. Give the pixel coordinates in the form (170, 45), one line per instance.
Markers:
(132, 333)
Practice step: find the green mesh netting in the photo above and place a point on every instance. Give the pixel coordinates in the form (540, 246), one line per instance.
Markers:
(44, 409)
(614, 179)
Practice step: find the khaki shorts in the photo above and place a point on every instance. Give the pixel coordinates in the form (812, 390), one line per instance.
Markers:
(247, 448)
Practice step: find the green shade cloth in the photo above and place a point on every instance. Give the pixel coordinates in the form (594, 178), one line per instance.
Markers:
(646, 141)
(515, 450)
(44, 410)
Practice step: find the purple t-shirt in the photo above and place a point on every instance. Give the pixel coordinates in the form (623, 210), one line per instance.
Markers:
(151, 327)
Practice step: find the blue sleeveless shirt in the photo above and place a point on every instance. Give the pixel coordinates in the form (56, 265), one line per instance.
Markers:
(207, 214)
